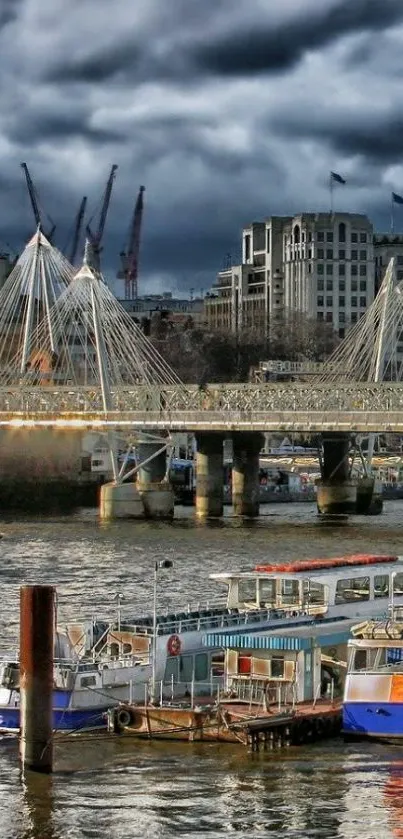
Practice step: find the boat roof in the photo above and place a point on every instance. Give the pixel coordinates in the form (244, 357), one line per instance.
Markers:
(317, 568)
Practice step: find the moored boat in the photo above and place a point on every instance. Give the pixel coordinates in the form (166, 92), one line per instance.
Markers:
(106, 663)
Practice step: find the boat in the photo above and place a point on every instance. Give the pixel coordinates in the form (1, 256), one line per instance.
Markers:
(373, 693)
(100, 663)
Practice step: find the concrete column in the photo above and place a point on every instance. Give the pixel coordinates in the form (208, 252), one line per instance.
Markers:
(120, 501)
(209, 474)
(245, 473)
(156, 493)
(336, 492)
(369, 497)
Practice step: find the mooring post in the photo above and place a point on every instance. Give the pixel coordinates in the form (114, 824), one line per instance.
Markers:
(37, 629)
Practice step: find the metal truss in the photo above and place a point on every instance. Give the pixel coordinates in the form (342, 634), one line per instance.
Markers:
(361, 407)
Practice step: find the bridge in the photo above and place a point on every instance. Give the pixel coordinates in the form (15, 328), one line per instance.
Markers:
(72, 358)
(294, 407)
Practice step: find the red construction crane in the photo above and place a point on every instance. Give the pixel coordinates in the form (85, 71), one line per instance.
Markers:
(33, 195)
(96, 238)
(130, 257)
(77, 230)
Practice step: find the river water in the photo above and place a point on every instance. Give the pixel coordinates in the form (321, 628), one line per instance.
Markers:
(105, 787)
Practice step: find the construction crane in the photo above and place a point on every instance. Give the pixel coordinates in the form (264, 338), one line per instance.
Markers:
(96, 238)
(33, 195)
(130, 257)
(77, 230)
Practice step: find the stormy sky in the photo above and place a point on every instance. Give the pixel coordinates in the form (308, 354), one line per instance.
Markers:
(226, 110)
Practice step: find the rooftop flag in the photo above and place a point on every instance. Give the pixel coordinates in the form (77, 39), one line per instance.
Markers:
(397, 199)
(337, 178)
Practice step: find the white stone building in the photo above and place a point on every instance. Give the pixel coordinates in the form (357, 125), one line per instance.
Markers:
(326, 265)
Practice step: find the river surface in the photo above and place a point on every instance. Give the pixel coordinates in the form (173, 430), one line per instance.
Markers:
(105, 787)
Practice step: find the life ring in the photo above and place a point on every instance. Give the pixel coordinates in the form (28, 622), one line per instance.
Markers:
(174, 645)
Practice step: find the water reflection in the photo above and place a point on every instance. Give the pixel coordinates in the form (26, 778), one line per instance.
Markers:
(37, 800)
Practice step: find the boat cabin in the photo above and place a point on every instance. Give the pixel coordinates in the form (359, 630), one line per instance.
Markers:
(314, 586)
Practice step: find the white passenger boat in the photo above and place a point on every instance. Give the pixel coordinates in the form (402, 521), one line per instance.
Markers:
(100, 664)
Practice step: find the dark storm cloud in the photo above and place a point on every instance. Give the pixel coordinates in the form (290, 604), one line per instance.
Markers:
(177, 93)
(246, 48)
(277, 47)
(374, 135)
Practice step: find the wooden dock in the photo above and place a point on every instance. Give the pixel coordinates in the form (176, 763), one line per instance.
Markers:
(229, 722)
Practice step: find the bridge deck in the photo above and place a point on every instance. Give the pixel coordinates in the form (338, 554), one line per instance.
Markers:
(263, 407)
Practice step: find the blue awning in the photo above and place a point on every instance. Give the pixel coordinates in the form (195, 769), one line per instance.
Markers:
(256, 642)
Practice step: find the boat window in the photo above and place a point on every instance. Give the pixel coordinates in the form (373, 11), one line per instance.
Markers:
(395, 655)
(398, 584)
(172, 669)
(352, 589)
(289, 591)
(315, 593)
(114, 650)
(88, 681)
(267, 592)
(127, 649)
(201, 667)
(277, 668)
(360, 660)
(381, 585)
(247, 592)
(186, 668)
(217, 664)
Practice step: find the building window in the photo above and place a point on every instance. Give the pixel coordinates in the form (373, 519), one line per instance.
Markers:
(400, 259)
(297, 234)
(247, 248)
(309, 268)
(354, 285)
(354, 254)
(319, 301)
(321, 236)
(353, 317)
(342, 285)
(329, 285)
(354, 270)
(341, 332)
(342, 317)
(354, 237)
(329, 302)
(309, 253)
(353, 302)
(342, 254)
(363, 255)
(363, 302)
(319, 316)
(310, 236)
(342, 233)
(363, 285)
(342, 302)
(329, 253)
(329, 317)
(363, 237)
(329, 236)
(363, 270)
(329, 269)
(400, 275)
(321, 285)
(342, 270)
(321, 253)
(319, 268)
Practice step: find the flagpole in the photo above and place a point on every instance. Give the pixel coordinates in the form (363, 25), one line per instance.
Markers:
(331, 193)
(392, 218)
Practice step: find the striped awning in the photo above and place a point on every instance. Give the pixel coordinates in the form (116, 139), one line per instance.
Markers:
(256, 642)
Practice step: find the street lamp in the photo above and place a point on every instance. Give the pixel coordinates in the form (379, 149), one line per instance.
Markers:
(158, 566)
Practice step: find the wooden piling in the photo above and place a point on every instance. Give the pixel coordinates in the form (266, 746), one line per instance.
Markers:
(37, 628)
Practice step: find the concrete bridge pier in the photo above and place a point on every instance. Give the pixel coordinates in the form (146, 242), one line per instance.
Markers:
(156, 493)
(336, 492)
(245, 472)
(209, 474)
